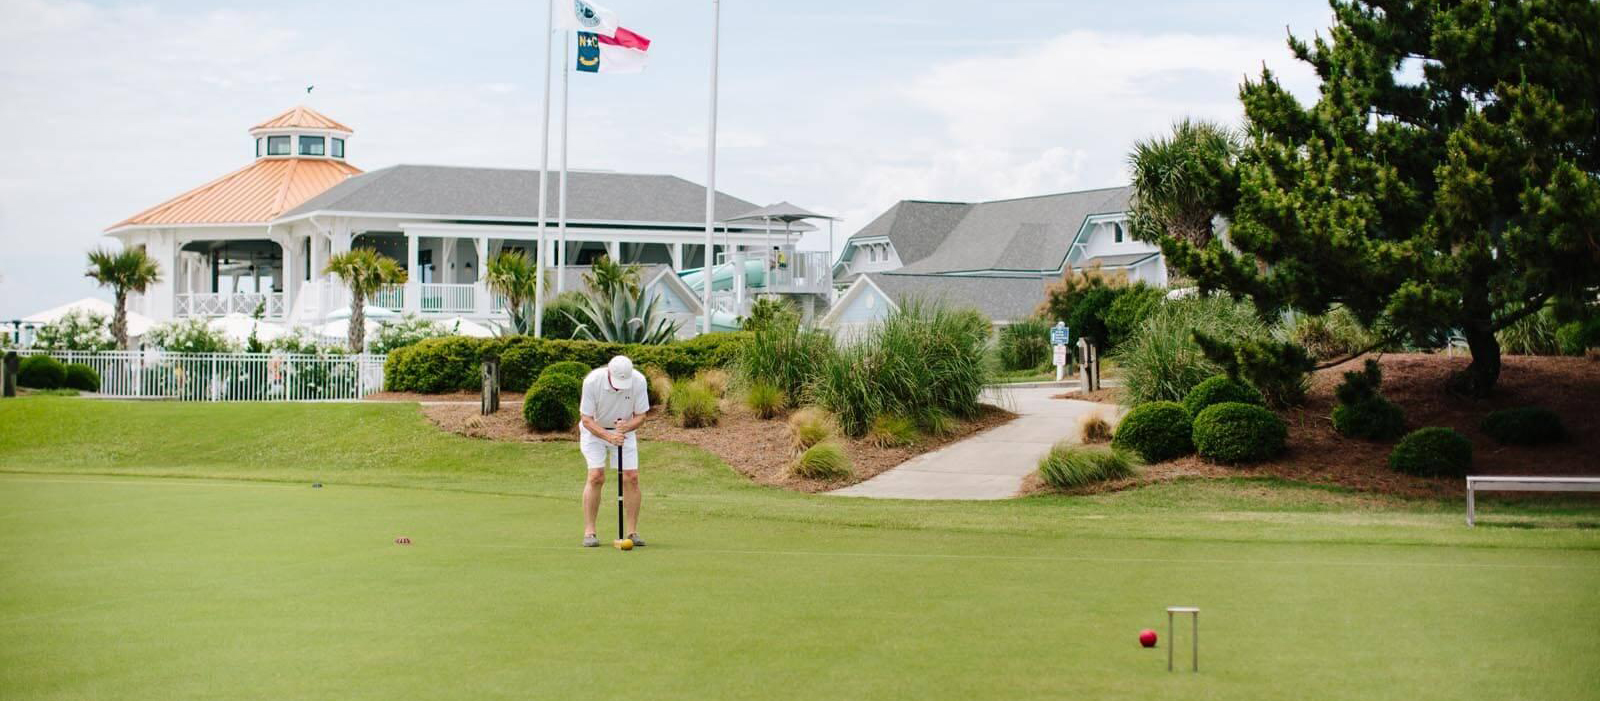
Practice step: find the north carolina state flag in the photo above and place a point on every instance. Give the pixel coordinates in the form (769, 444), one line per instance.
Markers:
(626, 52)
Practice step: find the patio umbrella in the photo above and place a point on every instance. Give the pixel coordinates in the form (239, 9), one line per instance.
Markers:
(370, 311)
(138, 323)
(462, 326)
(237, 327)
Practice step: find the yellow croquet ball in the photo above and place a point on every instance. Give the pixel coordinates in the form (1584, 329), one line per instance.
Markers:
(624, 544)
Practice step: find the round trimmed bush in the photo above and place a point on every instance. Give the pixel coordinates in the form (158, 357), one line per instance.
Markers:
(1156, 431)
(1528, 425)
(82, 377)
(1373, 418)
(42, 372)
(1235, 432)
(566, 367)
(552, 403)
(1217, 390)
(1432, 452)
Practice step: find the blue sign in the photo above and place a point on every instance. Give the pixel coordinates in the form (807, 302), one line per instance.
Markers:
(1058, 334)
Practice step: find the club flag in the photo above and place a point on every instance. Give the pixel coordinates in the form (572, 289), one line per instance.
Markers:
(584, 16)
(626, 52)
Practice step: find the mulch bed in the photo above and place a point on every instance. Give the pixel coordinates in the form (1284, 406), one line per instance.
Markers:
(1417, 382)
(756, 448)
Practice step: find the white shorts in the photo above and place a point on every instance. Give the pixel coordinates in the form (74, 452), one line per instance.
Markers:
(599, 454)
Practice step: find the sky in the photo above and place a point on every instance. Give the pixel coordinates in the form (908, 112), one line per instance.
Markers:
(842, 107)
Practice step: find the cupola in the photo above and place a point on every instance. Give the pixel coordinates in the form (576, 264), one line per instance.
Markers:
(301, 132)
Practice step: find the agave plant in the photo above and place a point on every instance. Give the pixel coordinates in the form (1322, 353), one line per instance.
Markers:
(623, 318)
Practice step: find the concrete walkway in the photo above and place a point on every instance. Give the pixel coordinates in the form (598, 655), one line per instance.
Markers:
(992, 464)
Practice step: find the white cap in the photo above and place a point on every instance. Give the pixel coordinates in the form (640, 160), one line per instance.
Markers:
(621, 369)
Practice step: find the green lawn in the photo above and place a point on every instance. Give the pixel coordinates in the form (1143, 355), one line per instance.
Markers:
(158, 550)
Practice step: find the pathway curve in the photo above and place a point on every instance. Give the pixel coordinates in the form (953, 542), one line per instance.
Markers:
(988, 465)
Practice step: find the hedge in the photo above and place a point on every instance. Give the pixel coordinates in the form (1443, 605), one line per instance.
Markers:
(1156, 431)
(450, 364)
(1235, 432)
(82, 377)
(41, 372)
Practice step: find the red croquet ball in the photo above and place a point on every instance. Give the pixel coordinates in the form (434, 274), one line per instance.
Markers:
(1147, 638)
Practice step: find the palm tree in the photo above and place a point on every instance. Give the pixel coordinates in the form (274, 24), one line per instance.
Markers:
(124, 271)
(363, 270)
(1182, 181)
(513, 274)
(606, 276)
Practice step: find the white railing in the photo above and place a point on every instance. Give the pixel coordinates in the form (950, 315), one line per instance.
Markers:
(449, 299)
(222, 377)
(223, 303)
(391, 297)
(798, 271)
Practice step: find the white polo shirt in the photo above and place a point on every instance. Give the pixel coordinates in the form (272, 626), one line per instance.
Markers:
(606, 404)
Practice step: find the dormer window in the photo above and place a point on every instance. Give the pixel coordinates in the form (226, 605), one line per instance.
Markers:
(1116, 232)
(277, 145)
(258, 147)
(313, 145)
(338, 148)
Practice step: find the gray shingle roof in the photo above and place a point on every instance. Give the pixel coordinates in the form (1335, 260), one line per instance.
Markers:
(466, 193)
(999, 298)
(1032, 233)
(916, 227)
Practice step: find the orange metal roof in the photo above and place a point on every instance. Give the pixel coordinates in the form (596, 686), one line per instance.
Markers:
(255, 194)
(303, 117)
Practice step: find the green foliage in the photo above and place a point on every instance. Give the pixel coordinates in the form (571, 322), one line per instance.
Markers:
(1575, 337)
(1180, 182)
(559, 316)
(1156, 431)
(1281, 370)
(124, 271)
(1128, 312)
(514, 275)
(1081, 301)
(1234, 433)
(1162, 362)
(77, 330)
(693, 404)
(299, 342)
(41, 372)
(785, 355)
(658, 383)
(618, 316)
(552, 403)
(1362, 412)
(1336, 334)
(936, 422)
(405, 331)
(1024, 344)
(81, 377)
(1217, 390)
(1529, 425)
(608, 278)
(892, 431)
(566, 367)
(808, 427)
(823, 461)
(1456, 196)
(715, 379)
(765, 400)
(364, 271)
(766, 310)
(1432, 452)
(192, 335)
(1534, 334)
(451, 363)
(1068, 466)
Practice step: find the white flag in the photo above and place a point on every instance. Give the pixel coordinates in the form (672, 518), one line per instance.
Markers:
(584, 16)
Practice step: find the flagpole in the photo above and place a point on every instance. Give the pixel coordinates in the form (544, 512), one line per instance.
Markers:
(544, 172)
(711, 167)
(561, 208)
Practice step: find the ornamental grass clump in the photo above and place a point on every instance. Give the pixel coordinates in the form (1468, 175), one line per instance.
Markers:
(1068, 466)
(1161, 361)
(764, 400)
(1234, 433)
(892, 431)
(1432, 452)
(1156, 431)
(1094, 429)
(693, 404)
(1024, 344)
(552, 403)
(825, 461)
(808, 427)
(1528, 425)
(785, 355)
(715, 380)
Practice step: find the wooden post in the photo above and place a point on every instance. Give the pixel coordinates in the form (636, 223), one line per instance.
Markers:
(1083, 365)
(491, 387)
(1094, 366)
(8, 374)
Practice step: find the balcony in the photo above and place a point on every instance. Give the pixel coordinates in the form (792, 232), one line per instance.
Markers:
(213, 304)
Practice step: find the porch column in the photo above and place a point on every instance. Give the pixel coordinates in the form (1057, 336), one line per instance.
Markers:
(413, 289)
(291, 264)
(482, 297)
(738, 279)
(614, 249)
(677, 257)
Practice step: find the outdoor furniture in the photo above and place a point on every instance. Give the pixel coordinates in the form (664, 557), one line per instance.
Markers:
(1525, 484)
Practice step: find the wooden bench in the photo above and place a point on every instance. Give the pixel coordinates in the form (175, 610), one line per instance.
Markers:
(1525, 484)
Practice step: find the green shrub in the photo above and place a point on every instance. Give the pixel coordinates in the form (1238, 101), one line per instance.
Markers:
(892, 431)
(1534, 334)
(1217, 390)
(192, 335)
(1156, 431)
(1374, 418)
(78, 330)
(1333, 335)
(552, 403)
(808, 427)
(1069, 466)
(566, 367)
(451, 364)
(559, 313)
(1127, 313)
(765, 400)
(1024, 345)
(1432, 452)
(406, 331)
(693, 404)
(784, 354)
(1161, 360)
(41, 372)
(1234, 432)
(1280, 370)
(825, 461)
(81, 377)
(1529, 425)
(1577, 336)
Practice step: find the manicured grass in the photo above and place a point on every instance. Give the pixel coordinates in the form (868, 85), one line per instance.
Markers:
(217, 584)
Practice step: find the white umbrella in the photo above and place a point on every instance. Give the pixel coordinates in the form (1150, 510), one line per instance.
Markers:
(138, 323)
(341, 329)
(462, 326)
(237, 327)
(370, 311)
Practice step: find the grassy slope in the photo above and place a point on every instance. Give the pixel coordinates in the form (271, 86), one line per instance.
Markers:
(199, 588)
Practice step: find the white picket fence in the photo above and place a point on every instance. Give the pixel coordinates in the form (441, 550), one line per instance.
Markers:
(229, 377)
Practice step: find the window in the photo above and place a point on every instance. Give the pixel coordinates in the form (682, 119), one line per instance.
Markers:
(258, 147)
(338, 148)
(1116, 232)
(317, 146)
(277, 146)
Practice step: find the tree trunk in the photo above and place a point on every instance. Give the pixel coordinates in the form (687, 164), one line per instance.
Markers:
(119, 320)
(358, 321)
(1479, 378)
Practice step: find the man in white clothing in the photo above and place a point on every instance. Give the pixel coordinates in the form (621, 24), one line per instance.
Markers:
(615, 399)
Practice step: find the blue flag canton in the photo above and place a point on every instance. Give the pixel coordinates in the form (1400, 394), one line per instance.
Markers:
(588, 52)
